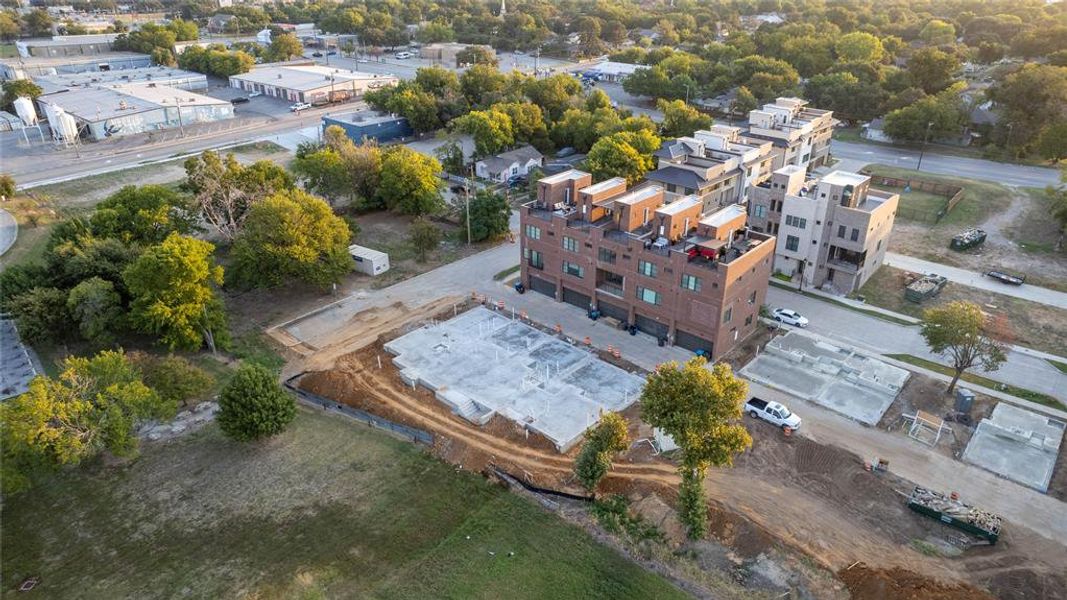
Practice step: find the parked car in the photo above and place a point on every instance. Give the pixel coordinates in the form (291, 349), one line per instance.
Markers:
(519, 52)
(772, 412)
(565, 152)
(317, 54)
(1006, 278)
(299, 106)
(254, 94)
(239, 100)
(404, 55)
(363, 59)
(789, 317)
(516, 180)
(331, 53)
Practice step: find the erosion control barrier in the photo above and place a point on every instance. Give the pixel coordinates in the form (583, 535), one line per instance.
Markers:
(416, 435)
(511, 479)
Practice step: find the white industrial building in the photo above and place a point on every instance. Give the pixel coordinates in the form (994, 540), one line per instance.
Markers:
(158, 75)
(102, 112)
(28, 68)
(310, 84)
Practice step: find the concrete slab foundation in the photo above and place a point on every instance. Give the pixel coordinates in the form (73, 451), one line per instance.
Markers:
(482, 363)
(1017, 444)
(856, 385)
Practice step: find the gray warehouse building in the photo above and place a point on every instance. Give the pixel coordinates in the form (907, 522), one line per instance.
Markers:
(311, 84)
(102, 112)
(28, 68)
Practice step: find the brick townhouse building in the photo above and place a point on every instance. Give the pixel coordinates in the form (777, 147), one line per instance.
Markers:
(658, 261)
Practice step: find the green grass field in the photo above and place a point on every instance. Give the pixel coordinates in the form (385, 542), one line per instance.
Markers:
(329, 509)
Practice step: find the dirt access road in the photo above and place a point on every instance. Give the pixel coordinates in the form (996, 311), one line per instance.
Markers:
(808, 496)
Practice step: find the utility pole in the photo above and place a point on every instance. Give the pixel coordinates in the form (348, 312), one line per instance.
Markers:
(181, 125)
(926, 138)
(467, 191)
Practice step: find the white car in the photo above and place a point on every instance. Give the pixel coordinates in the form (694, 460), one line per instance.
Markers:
(403, 55)
(254, 94)
(299, 106)
(362, 60)
(772, 412)
(789, 317)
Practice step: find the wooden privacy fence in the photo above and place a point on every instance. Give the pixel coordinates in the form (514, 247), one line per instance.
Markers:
(953, 195)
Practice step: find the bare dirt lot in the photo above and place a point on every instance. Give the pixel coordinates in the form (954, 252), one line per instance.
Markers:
(786, 493)
(928, 394)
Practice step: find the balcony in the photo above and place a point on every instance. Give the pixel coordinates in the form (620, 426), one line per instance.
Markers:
(844, 265)
(611, 289)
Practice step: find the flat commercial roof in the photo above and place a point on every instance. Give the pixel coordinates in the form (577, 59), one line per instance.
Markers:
(138, 74)
(306, 78)
(844, 178)
(102, 103)
(638, 195)
(564, 176)
(365, 117)
(679, 205)
(46, 61)
(607, 184)
(724, 216)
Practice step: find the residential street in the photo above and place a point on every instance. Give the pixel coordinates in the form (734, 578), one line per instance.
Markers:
(978, 280)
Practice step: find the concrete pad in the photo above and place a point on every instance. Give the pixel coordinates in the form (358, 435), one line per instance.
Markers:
(1017, 444)
(482, 363)
(856, 385)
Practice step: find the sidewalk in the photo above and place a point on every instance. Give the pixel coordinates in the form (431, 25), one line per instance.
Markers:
(978, 280)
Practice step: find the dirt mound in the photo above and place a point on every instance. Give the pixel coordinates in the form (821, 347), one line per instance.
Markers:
(866, 583)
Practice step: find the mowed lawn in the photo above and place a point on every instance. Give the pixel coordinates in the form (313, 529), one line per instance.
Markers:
(330, 509)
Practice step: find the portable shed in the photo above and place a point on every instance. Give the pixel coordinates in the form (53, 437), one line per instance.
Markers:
(369, 261)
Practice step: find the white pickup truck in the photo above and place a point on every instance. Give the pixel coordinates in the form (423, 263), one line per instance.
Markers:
(773, 412)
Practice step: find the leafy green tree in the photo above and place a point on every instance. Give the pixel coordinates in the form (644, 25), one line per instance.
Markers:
(175, 379)
(451, 157)
(932, 117)
(527, 123)
(625, 154)
(1052, 143)
(71, 261)
(1031, 98)
(437, 80)
(744, 102)
(602, 443)
(253, 405)
(7, 187)
(597, 99)
(145, 214)
(41, 314)
(846, 95)
(291, 235)
(223, 189)
(409, 182)
(424, 237)
(932, 69)
(171, 285)
(937, 32)
(476, 55)
(417, 106)
(18, 88)
(681, 119)
(284, 47)
(491, 130)
(97, 308)
(93, 406)
(9, 26)
(962, 332)
(698, 407)
(38, 23)
(482, 84)
(489, 214)
(324, 172)
(859, 46)
(434, 32)
(19, 278)
(554, 94)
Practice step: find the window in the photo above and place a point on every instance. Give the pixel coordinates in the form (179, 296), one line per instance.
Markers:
(570, 244)
(534, 233)
(752, 297)
(727, 315)
(855, 234)
(572, 269)
(878, 246)
(748, 320)
(647, 295)
(796, 222)
(841, 231)
(690, 282)
(606, 255)
(792, 242)
(533, 258)
(646, 268)
(759, 210)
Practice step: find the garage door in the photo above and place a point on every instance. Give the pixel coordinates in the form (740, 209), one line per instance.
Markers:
(576, 298)
(543, 287)
(692, 342)
(615, 312)
(651, 326)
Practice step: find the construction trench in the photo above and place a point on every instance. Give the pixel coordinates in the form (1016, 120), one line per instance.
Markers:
(836, 529)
